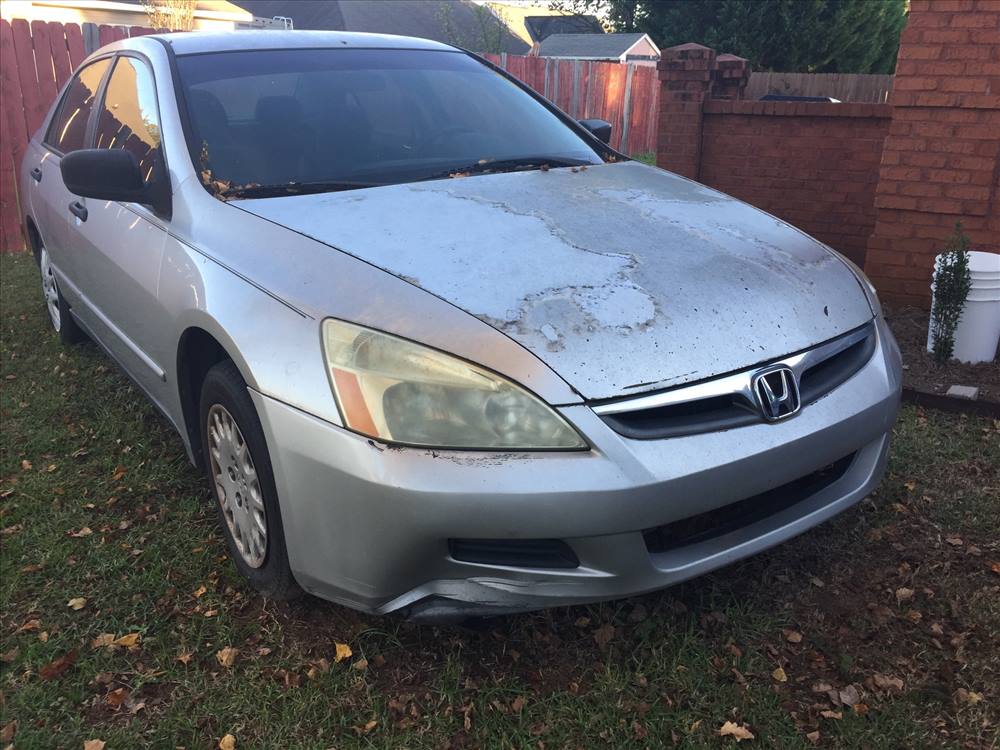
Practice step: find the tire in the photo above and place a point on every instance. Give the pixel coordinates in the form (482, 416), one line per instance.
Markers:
(55, 304)
(242, 482)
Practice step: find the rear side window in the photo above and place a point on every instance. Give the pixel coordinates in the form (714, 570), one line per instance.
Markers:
(68, 130)
(128, 117)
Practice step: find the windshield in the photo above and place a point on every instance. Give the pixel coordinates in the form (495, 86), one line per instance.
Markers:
(338, 119)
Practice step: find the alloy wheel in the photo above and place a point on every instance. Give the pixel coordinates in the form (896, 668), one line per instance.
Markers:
(237, 486)
(49, 289)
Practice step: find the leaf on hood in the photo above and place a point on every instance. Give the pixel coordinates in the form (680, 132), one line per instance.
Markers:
(736, 731)
(227, 656)
(57, 667)
(342, 651)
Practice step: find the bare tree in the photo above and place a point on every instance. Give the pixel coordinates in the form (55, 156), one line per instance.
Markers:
(170, 14)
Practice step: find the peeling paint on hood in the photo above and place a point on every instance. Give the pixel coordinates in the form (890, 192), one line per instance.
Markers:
(623, 278)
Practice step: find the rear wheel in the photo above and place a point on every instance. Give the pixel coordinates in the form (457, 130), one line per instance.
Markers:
(59, 315)
(239, 470)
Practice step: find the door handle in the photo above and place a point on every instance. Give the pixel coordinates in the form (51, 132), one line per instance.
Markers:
(36, 174)
(78, 210)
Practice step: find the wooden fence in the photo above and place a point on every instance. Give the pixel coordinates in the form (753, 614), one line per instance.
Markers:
(847, 87)
(627, 96)
(36, 58)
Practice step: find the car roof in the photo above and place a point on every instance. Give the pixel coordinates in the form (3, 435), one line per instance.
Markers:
(198, 42)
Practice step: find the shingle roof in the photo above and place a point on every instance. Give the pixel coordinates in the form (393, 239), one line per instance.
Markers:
(450, 21)
(603, 46)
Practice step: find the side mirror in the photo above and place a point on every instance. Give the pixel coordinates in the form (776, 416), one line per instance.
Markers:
(113, 175)
(601, 129)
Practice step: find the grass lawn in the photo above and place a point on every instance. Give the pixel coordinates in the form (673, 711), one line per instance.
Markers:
(880, 629)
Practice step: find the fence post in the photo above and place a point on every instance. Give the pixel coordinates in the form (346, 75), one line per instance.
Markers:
(730, 77)
(685, 73)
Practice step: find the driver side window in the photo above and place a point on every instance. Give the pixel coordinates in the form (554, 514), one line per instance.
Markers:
(68, 129)
(128, 118)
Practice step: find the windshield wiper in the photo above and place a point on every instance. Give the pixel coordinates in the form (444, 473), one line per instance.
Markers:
(487, 166)
(293, 188)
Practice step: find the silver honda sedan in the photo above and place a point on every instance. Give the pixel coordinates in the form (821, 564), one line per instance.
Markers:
(439, 349)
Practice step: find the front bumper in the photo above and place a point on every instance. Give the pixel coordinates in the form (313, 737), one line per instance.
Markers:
(367, 525)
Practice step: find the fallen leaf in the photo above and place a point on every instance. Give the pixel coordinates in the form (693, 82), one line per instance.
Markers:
(884, 682)
(31, 568)
(185, 657)
(8, 656)
(94, 745)
(995, 567)
(737, 731)
(813, 737)
(604, 635)
(131, 640)
(227, 657)
(227, 743)
(343, 651)
(904, 595)
(518, 704)
(85, 531)
(116, 698)
(8, 731)
(29, 626)
(954, 541)
(792, 636)
(831, 715)
(849, 695)
(25, 465)
(369, 726)
(104, 640)
(361, 665)
(199, 592)
(968, 696)
(77, 603)
(860, 708)
(57, 667)
(779, 675)
(119, 473)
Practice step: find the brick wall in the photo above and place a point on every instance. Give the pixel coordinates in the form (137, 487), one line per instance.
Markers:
(941, 161)
(813, 165)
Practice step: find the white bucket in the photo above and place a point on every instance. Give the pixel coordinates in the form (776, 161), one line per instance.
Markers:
(978, 331)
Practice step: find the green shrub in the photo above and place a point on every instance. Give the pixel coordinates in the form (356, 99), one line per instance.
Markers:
(952, 283)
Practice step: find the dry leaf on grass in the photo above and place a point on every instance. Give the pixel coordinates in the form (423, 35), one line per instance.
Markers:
(77, 603)
(94, 745)
(85, 531)
(129, 640)
(904, 595)
(831, 714)
(227, 743)
(57, 667)
(343, 651)
(227, 656)
(604, 635)
(779, 675)
(884, 682)
(792, 636)
(8, 731)
(736, 731)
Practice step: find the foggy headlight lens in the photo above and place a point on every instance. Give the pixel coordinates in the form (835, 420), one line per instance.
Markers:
(398, 391)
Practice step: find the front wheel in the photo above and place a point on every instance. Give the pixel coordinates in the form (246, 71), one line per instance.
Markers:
(59, 315)
(239, 470)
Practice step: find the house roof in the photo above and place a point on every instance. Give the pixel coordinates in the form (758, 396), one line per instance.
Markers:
(596, 46)
(542, 27)
(457, 22)
(533, 22)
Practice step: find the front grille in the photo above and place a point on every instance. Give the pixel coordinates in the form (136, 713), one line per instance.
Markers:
(819, 371)
(715, 523)
(514, 553)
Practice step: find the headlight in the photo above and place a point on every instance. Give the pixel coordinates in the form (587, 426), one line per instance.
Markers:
(395, 390)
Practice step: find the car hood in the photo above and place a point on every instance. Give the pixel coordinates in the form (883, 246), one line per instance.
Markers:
(621, 277)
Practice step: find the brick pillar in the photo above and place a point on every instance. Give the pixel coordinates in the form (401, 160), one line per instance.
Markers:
(685, 73)
(941, 159)
(730, 77)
